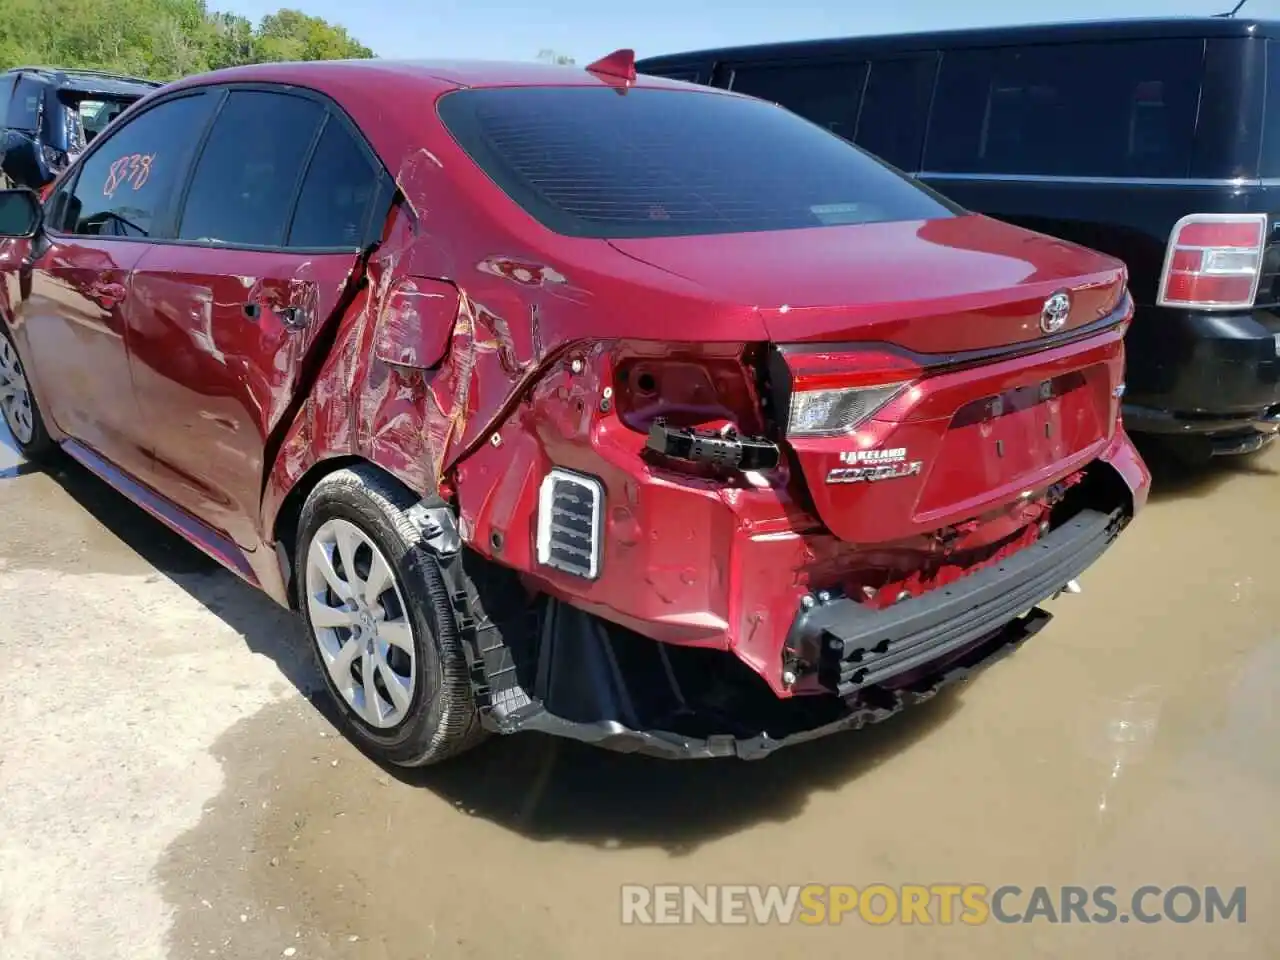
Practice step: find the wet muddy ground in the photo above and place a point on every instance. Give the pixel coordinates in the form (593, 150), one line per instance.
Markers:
(170, 786)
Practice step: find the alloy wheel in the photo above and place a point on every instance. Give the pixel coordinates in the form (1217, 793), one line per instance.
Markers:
(361, 623)
(15, 396)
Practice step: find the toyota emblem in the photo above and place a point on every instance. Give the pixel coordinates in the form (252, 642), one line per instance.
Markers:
(1053, 316)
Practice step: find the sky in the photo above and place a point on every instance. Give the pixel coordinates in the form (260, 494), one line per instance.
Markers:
(587, 29)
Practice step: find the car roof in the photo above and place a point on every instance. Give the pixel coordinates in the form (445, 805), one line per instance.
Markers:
(91, 81)
(1135, 28)
(420, 75)
(388, 98)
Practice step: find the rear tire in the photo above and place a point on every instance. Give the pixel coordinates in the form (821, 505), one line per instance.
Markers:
(389, 653)
(18, 407)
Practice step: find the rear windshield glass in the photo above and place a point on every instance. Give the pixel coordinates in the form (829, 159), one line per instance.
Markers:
(24, 108)
(593, 162)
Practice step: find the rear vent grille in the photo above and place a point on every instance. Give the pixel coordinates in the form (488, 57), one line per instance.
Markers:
(569, 508)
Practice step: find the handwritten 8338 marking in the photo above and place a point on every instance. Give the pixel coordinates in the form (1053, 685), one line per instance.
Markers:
(134, 169)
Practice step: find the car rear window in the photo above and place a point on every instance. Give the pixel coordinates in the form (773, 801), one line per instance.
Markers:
(1269, 165)
(24, 108)
(1113, 109)
(598, 162)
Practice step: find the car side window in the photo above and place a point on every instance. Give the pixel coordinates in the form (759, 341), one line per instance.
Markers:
(895, 109)
(247, 176)
(26, 106)
(339, 186)
(7, 83)
(126, 186)
(824, 93)
(1075, 109)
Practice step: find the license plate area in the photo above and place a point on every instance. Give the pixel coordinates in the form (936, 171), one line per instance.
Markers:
(1016, 434)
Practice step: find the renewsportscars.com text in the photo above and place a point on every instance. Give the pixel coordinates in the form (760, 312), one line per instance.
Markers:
(940, 903)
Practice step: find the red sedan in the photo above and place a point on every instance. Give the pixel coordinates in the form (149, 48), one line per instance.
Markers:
(571, 400)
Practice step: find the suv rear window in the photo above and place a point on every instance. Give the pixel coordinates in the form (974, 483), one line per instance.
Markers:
(24, 108)
(1270, 163)
(591, 162)
(1117, 109)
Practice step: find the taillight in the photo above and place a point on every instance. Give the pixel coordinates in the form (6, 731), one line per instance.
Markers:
(832, 394)
(1214, 261)
(826, 413)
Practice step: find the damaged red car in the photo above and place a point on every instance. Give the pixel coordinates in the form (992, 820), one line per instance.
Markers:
(569, 400)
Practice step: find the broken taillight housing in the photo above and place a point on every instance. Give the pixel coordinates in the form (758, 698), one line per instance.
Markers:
(1214, 261)
(703, 386)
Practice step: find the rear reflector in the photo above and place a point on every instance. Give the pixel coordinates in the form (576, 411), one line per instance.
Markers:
(569, 509)
(1214, 261)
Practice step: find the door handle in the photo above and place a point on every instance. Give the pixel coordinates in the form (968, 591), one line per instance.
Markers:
(107, 295)
(292, 317)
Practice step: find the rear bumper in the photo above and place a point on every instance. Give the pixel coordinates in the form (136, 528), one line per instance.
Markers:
(861, 647)
(1203, 374)
(579, 677)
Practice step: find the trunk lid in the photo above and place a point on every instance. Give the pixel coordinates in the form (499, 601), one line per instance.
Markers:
(959, 442)
(952, 310)
(934, 286)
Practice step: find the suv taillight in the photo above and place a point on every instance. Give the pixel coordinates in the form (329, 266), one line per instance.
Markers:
(1214, 261)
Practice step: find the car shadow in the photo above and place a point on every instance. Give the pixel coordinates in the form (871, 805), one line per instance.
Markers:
(1174, 477)
(546, 788)
(540, 786)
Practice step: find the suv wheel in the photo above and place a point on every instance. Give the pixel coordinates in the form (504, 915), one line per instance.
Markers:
(381, 626)
(18, 405)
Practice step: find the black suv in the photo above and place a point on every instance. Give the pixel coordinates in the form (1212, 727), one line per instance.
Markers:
(1157, 141)
(47, 116)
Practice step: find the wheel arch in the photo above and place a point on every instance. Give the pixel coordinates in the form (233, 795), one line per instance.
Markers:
(284, 530)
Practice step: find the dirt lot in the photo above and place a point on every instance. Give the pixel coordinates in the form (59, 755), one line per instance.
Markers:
(168, 789)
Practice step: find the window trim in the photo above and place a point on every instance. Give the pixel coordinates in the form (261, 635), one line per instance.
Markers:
(381, 198)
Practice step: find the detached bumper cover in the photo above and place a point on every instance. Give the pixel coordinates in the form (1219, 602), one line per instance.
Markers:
(613, 735)
(862, 647)
(587, 688)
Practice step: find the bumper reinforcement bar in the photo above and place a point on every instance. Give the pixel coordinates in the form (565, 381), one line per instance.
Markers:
(861, 647)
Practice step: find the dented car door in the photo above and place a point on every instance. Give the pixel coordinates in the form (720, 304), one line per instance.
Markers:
(223, 320)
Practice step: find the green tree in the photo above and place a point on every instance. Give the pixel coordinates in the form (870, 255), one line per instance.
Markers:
(293, 35)
(163, 39)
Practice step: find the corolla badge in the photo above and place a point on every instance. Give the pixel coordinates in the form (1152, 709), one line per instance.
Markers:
(889, 464)
(1054, 313)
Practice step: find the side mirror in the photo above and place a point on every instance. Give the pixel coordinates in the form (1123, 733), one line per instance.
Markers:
(20, 214)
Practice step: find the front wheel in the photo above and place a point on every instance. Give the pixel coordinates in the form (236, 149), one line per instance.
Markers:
(18, 405)
(381, 625)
